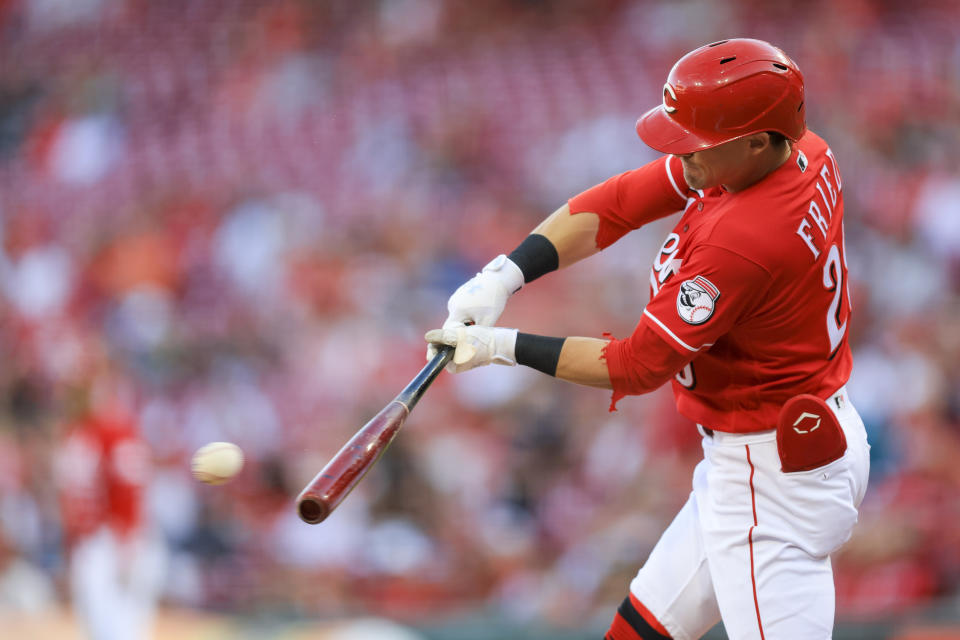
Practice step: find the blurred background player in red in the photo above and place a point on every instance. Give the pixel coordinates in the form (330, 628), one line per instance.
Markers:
(116, 561)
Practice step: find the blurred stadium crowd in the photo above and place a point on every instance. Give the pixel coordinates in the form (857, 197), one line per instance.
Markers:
(234, 220)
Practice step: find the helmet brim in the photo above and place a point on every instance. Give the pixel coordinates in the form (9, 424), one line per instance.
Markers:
(662, 133)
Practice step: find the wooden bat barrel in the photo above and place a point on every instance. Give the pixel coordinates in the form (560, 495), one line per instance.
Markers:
(329, 487)
(338, 478)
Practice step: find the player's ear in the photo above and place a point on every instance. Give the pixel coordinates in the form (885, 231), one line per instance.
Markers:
(758, 142)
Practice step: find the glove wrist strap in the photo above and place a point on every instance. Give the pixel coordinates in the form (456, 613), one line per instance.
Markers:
(506, 345)
(507, 272)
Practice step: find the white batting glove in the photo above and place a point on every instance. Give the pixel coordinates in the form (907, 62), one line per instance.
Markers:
(476, 346)
(481, 299)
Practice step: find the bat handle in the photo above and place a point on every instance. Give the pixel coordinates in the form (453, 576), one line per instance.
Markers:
(412, 393)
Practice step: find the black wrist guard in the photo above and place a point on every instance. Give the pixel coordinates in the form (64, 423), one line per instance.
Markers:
(536, 256)
(539, 352)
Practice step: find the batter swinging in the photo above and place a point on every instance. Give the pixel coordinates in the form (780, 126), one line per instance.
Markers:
(748, 316)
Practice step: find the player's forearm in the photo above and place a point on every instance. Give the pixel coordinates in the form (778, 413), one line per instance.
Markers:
(575, 359)
(557, 242)
(573, 236)
(581, 361)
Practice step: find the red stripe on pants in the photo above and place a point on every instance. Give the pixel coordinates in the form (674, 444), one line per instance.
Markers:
(753, 573)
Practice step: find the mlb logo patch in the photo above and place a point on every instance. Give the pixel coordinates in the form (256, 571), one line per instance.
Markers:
(802, 161)
(696, 300)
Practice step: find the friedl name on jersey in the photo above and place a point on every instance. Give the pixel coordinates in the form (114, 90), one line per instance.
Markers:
(820, 212)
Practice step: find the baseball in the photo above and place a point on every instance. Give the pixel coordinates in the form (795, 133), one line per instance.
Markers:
(217, 462)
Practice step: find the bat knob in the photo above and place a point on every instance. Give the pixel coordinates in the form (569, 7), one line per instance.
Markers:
(311, 511)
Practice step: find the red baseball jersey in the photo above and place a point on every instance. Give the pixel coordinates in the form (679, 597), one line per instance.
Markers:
(102, 470)
(751, 286)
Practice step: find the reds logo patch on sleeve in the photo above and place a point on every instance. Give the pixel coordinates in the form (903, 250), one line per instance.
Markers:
(695, 302)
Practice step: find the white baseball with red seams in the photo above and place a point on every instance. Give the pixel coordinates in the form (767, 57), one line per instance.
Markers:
(697, 312)
(217, 462)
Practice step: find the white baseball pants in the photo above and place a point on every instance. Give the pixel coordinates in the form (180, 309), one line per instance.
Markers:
(115, 585)
(752, 544)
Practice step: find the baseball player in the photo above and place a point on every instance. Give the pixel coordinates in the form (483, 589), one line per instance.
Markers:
(748, 316)
(117, 563)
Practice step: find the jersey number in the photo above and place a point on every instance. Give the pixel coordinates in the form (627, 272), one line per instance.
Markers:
(833, 281)
(686, 377)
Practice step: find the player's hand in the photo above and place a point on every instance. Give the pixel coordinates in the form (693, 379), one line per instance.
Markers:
(476, 346)
(481, 299)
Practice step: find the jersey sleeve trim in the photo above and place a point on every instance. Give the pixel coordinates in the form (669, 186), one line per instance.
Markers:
(673, 335)
(672, 181)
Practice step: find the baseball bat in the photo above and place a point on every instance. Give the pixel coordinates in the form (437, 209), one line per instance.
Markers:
(347, 468)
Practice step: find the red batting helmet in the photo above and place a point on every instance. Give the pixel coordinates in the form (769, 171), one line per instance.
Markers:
(724, 91)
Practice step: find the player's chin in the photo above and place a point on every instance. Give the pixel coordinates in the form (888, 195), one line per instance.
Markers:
(694, 178)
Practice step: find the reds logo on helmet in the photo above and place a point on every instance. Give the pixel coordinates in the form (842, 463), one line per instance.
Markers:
(668, 90)
(696, 299)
